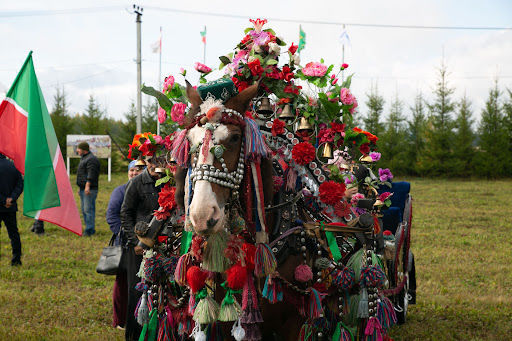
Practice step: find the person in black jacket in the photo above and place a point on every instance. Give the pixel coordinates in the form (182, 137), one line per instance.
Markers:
(87, 180)
(11, 186)
(140, 200)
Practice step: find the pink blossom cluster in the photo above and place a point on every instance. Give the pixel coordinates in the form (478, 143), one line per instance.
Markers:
(178, 112)
(162, 115)
(314, 69)
(348, 99)
(200, 67)
(168, 83)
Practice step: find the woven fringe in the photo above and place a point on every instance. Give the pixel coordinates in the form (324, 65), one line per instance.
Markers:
(180, 274)
(265, 262)
(180, 148)
(272, 290)
(255, 146)
(206, 311)
(214, 259)
(250, 309)
(373, 330)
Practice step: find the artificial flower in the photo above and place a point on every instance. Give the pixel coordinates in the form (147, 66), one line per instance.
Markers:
(293, 48)
(285, 100)
(147, 148)
(161, 214)
(373, 139)
(274, 48)
(346, 97)
(354, 106)
(255, 67)
(292, 89)
(183, 72)
(240, 85)
(158, 139)
(350, 179)
(278, 183)
(166, 197)
(338, 127)
(344, 66)
(258, 24)
(355, 198)
(178, 113)
(385, 174)
(277, 127)
(384, 196)
(303, 153)
(314, 69)
(364, 148)
(162, 115)
(287, 74)
(168, 84)
(326, 135)
(168, 142)
(200, 67)
(375, 156)
(331, 192)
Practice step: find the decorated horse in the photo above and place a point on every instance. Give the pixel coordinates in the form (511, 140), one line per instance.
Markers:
(270, 225)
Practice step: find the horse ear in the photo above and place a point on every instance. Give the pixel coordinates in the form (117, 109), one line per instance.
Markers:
(241, 101)
(193, 95)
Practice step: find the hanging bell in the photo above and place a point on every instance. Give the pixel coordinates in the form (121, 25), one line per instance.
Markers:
(304, 125)
(327, 151)
(140, 163)
(287, 114)
(160, 170)
(264, 107)
(366, 159)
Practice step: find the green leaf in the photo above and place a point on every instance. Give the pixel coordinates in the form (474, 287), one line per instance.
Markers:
(163, 101)
(269, 30)
(225, 60)
(322, 60)
(346, 83)
(280, 42)
(271, 62)
(163, 180)
(248, 29)
(387, 202)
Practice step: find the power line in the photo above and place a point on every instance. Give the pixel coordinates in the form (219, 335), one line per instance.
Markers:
(337, 23)
(11, 14)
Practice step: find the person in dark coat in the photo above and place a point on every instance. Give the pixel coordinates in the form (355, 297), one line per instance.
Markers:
(120, 292)
(87, 180)
(140, 200)
(11, 186)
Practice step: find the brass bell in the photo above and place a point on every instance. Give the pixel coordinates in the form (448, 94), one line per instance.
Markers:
(140, 163)
(327, 152)
(264, 107)
(366, 158)
(304, 125)
(160, 170)
(287, 114)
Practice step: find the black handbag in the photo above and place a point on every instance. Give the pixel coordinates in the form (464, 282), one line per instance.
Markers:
(110, 259)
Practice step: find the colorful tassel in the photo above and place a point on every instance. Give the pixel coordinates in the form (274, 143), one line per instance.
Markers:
(191, 304)
(250, 310)
(265, 262)
(180, 148)
(229, 309)
(180, 274)
(206, 311)
(213, 259)
(272, 290)
(260, 200)
(315, 303)
(149, 330)
(373, 330)
(362, 309)
(385, 313)
(255, 146)
(342, 333)
(306, 332)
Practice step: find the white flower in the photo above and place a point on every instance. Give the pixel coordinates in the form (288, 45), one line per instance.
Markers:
(296, 59)
(274, 48)
(251, 58)
(257, 48)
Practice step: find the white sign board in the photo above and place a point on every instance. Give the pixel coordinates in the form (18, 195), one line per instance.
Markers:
(99, 145)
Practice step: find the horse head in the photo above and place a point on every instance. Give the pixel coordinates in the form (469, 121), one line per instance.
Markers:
(216, 167)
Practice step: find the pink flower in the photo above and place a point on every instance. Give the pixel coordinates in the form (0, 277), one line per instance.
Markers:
(168, 142)
(385, 174)
(258, 24)
(346, 97)
(385, 196)
(314, 69)
(168, 84)
(158, 139)
(337, 159)
(355, 198)
(178, 113)
(354, 106)
(375, 156)
(162, 115)
(200, 67)
(183, 72)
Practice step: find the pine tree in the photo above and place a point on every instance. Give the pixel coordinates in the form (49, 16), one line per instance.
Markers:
(490, 160)
(129, 126)
(92, 119)
(62, 123)
(149, 116)
(393, 139)
(375, 104)
(416, 134)
(507, 126)
(437, 159)
(464, 151)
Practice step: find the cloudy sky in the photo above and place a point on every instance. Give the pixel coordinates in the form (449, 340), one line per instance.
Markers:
(91, 48)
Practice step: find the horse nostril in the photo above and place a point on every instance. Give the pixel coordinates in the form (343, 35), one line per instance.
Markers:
(211, 222)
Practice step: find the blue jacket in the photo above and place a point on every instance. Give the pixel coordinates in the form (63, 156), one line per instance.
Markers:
(11, 184)
(113, 211)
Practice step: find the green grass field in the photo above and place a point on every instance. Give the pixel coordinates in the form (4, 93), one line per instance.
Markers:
(461, 239)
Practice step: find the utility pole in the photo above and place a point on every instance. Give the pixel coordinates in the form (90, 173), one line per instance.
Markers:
(138, 11)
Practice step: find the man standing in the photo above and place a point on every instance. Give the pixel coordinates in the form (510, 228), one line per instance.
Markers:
(87, 180)
(11, 186)
(140, 200)
(120, 291)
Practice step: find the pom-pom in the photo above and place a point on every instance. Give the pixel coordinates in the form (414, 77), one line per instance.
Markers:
(331, 192)
(344, 278)
(372, 276)
(303, 273)
(303, 153)
(236, 277)
(196, 278)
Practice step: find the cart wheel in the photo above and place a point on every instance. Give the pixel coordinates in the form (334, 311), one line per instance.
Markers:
(402, 302)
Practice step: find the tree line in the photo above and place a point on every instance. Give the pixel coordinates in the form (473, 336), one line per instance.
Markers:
(440, 137)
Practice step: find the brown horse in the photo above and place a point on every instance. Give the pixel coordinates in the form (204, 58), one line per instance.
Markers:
(214, 195)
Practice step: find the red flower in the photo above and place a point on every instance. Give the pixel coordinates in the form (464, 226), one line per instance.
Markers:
(277, 127)
(331, 192)
(285, 100)
(246, 39)
(338, 127)
(132, 146)
(161, 213)
(385, 196)
(293, 48)
(373, 139)
(303, 153)
(166, 197)
(292, 89)
(326, 135)
(147, 149)
(240, 85)
(255, 67)
(287, 74)
(364, 148)
(344, 66)
(387, 233)
(274, 74)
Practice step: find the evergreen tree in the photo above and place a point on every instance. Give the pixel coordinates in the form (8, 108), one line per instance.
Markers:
(62, 123)
(149, 116)
(393, 139)
(507, 126)
(437, 159)
(375, 104)
(416, 134)
(490, 160)
(129, 126)
(463, 145)
(92, 119)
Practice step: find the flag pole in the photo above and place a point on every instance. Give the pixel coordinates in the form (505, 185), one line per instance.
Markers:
(159, 80)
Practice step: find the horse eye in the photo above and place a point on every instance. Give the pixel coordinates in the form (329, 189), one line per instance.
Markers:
(234, 138)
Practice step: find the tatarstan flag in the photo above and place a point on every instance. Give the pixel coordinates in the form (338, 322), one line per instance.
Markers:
(27, 136)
